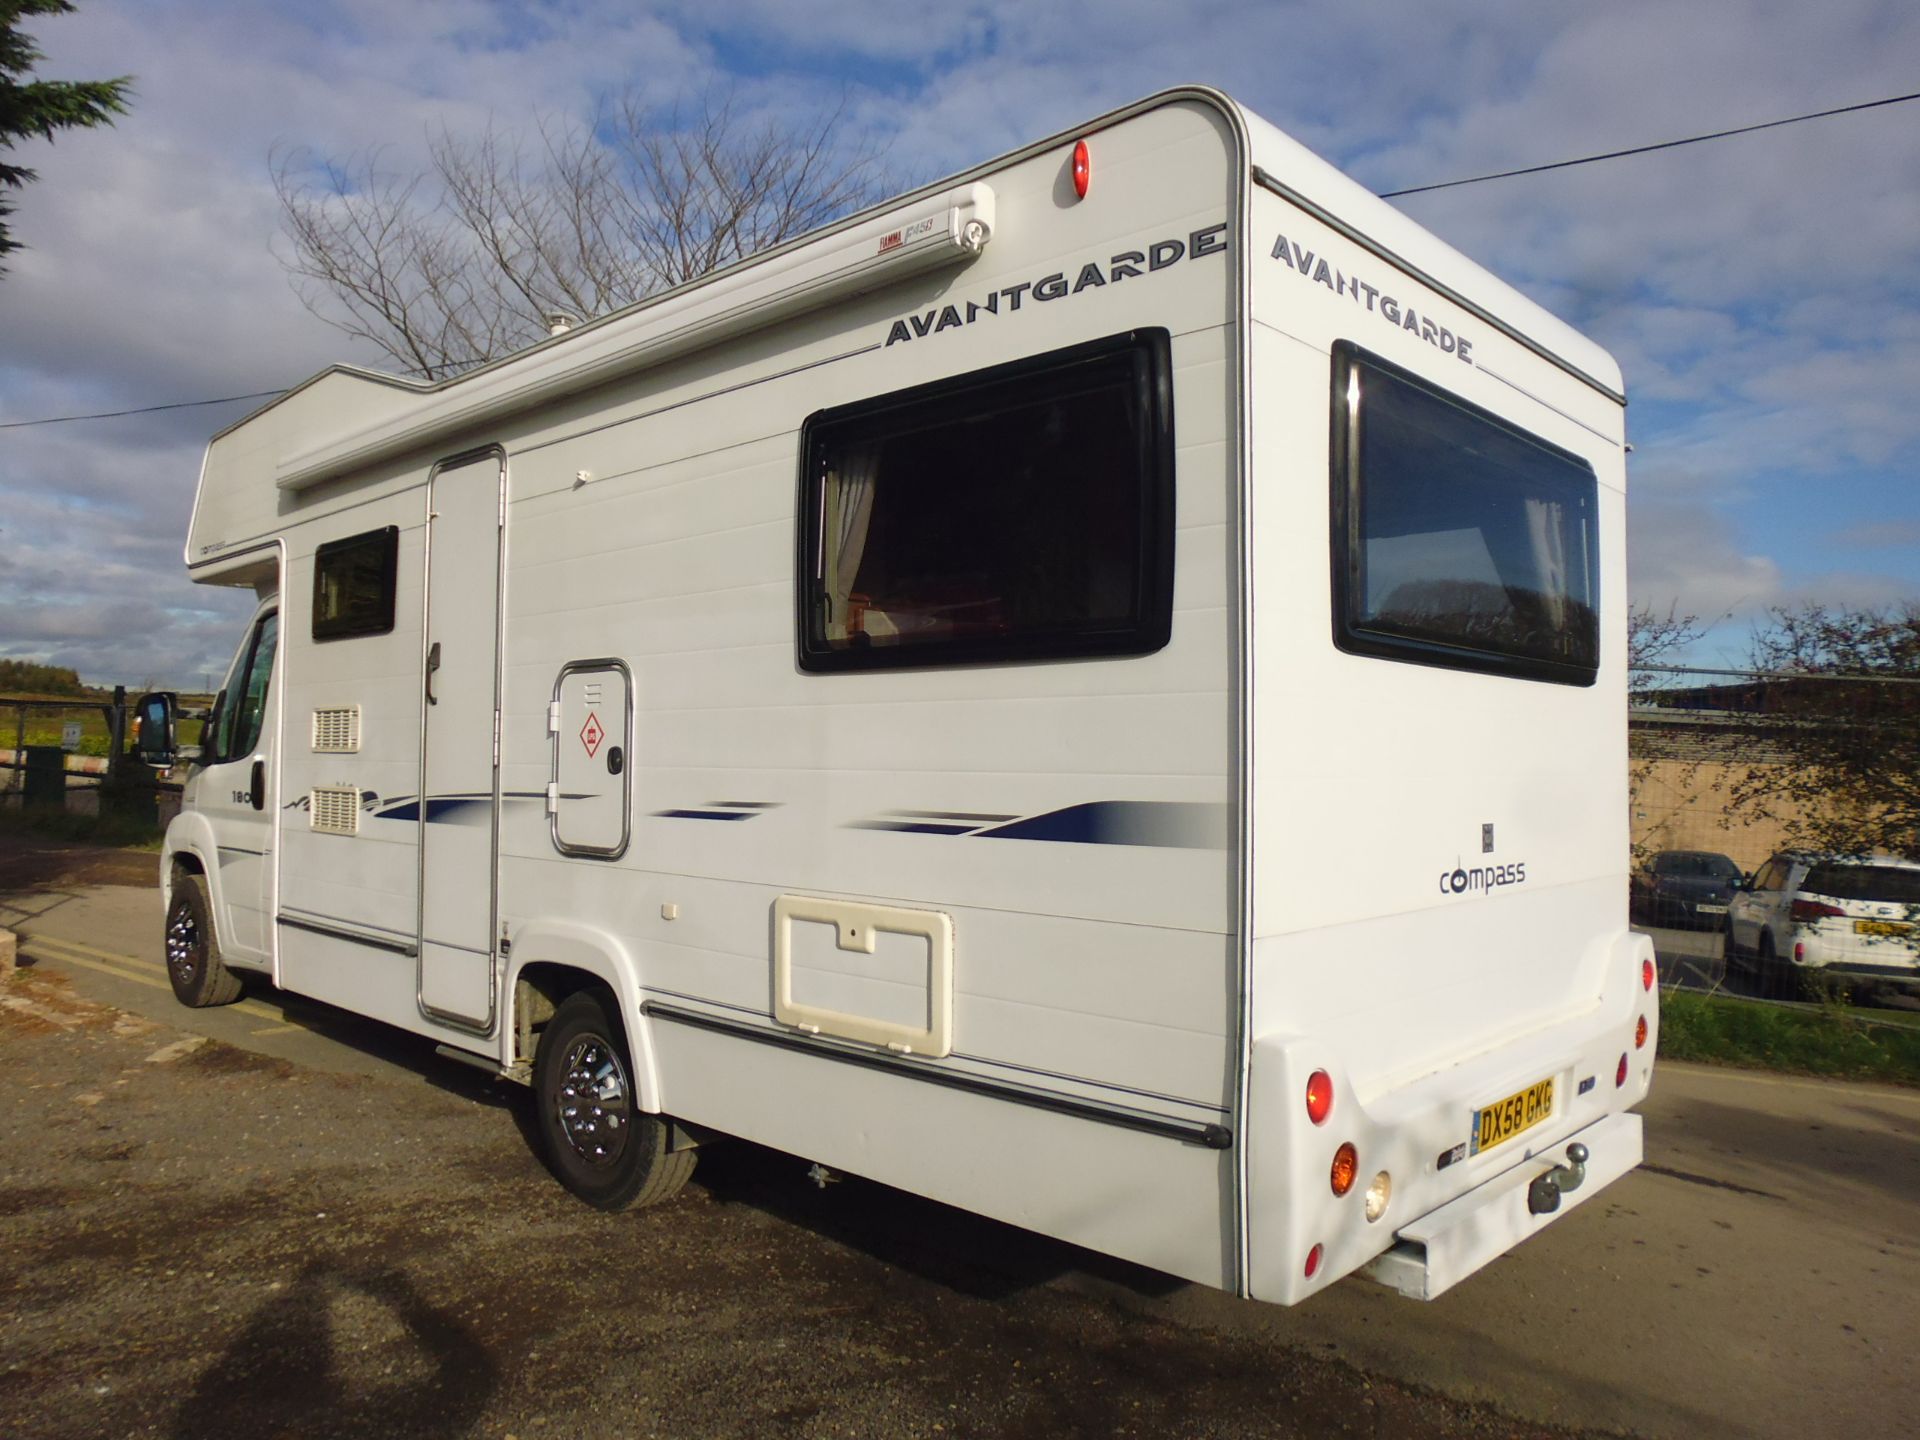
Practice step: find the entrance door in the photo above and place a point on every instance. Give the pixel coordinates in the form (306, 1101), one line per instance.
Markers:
(459, 762)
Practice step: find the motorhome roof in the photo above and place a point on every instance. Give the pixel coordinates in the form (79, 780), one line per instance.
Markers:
(592, 352)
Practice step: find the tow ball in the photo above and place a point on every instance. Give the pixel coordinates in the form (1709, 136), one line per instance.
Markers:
(1543, 1195)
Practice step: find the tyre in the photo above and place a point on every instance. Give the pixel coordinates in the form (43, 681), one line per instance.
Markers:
(200, 978)
(599, 1145)
(1735, 957)
(1778, 979)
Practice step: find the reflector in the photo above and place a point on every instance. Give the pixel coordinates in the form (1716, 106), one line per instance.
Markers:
(1313, 1262)
(1346, 1165)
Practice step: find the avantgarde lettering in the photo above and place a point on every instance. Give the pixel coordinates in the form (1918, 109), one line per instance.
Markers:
(1308, 266)
(1088, 275)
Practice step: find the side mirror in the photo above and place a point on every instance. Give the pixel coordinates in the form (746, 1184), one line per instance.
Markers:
(153, 726)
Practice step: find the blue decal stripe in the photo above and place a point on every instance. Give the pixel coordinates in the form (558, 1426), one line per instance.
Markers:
(1167, 824)
(706, 814)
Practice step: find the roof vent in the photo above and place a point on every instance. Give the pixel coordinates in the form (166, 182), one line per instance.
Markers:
(559, 322)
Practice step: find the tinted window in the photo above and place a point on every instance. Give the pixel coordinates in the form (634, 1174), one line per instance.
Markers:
(1459, 539)
(1016, 513)
(353, 584)
(1703, 867)
(1886, 883)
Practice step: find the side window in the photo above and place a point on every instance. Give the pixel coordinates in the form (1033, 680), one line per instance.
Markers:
(1459, 539)
(1017, 513)
(237, 726)
(1773, 875)
(353, 584)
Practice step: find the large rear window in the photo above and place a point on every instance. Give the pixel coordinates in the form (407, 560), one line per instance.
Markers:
(1459, 538)
(1888, 884)
(1021, 512)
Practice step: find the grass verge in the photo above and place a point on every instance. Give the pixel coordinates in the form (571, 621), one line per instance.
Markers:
(1824, 1039)
(112, 830)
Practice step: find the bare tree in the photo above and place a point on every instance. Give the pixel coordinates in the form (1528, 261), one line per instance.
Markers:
(1654, 638)
(467, 259)
(1842, 701)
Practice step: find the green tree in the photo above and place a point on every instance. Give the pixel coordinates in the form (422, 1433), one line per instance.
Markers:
(30, 108)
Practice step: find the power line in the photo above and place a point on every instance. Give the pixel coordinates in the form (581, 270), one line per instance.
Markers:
(1648, 149)
(1384, 195)
(138, 410)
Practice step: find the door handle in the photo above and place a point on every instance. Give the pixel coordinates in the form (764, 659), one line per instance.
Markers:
(433, 664)
(257, 787)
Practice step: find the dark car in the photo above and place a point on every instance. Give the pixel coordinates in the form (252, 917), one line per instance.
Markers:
(1685, 889)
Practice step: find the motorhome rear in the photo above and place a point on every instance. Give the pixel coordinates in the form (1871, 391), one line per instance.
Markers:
(1103, 709)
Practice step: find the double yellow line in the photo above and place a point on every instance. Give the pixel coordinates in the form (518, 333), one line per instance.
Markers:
(140, 971)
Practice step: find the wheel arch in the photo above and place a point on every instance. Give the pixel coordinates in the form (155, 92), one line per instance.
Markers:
(190, 849)
(553, 959)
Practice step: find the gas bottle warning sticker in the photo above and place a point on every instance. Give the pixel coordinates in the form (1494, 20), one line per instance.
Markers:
(591, 734)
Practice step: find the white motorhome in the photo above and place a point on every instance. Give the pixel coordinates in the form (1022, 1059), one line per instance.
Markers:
(1093, 692)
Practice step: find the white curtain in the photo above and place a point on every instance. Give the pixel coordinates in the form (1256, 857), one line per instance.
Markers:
(849, 510)
(1547, 538)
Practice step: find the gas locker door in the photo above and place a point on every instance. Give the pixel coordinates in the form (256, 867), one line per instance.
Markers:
(460, 759)
(592, 727)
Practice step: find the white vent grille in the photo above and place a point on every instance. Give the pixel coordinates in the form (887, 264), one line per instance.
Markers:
(335, 809)
(336, 731)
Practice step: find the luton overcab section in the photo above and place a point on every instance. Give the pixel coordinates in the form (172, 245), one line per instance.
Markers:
(1093, 692)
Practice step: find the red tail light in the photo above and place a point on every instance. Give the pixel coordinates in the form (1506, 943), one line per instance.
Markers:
(1319, 1096)
(1810, 910)
(1640, 1033)
(1620, 1075)
(1082, 169)
(1313, 1262)
(1646, 975)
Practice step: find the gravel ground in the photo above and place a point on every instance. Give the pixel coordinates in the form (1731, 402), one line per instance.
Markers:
(196, 1241)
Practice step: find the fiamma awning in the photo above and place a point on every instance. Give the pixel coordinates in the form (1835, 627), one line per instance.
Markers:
(788, 282)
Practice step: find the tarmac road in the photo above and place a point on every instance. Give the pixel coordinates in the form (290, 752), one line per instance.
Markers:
(316, 1227)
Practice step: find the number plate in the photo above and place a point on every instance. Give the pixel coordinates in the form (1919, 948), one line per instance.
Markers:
(1711, 909)
(1881, 927)
(1505, 1118)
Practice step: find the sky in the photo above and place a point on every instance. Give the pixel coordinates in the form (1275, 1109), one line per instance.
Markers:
(1761, 293)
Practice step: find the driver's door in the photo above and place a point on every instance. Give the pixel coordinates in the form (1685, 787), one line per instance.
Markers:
(235, 790)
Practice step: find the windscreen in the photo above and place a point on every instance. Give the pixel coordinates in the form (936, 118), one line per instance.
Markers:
(1467, 541)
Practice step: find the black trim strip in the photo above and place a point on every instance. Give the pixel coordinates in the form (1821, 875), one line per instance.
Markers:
(1214, 1137)
(1406, 267)
(359, 937)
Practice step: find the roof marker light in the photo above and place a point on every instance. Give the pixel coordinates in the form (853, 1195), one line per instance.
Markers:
(1082, 169)
(1319, 1097)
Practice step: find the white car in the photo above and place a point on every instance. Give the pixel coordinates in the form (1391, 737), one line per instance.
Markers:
(1804, 914)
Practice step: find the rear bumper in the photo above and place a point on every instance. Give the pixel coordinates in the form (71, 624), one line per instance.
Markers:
(1444, 1246)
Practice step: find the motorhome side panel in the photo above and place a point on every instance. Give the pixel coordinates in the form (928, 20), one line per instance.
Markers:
(1439, 829)
(1071, 817)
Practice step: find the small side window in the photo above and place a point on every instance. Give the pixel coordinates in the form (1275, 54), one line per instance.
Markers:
(353, 584)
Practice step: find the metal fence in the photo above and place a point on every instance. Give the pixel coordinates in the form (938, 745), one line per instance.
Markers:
(72, 753)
